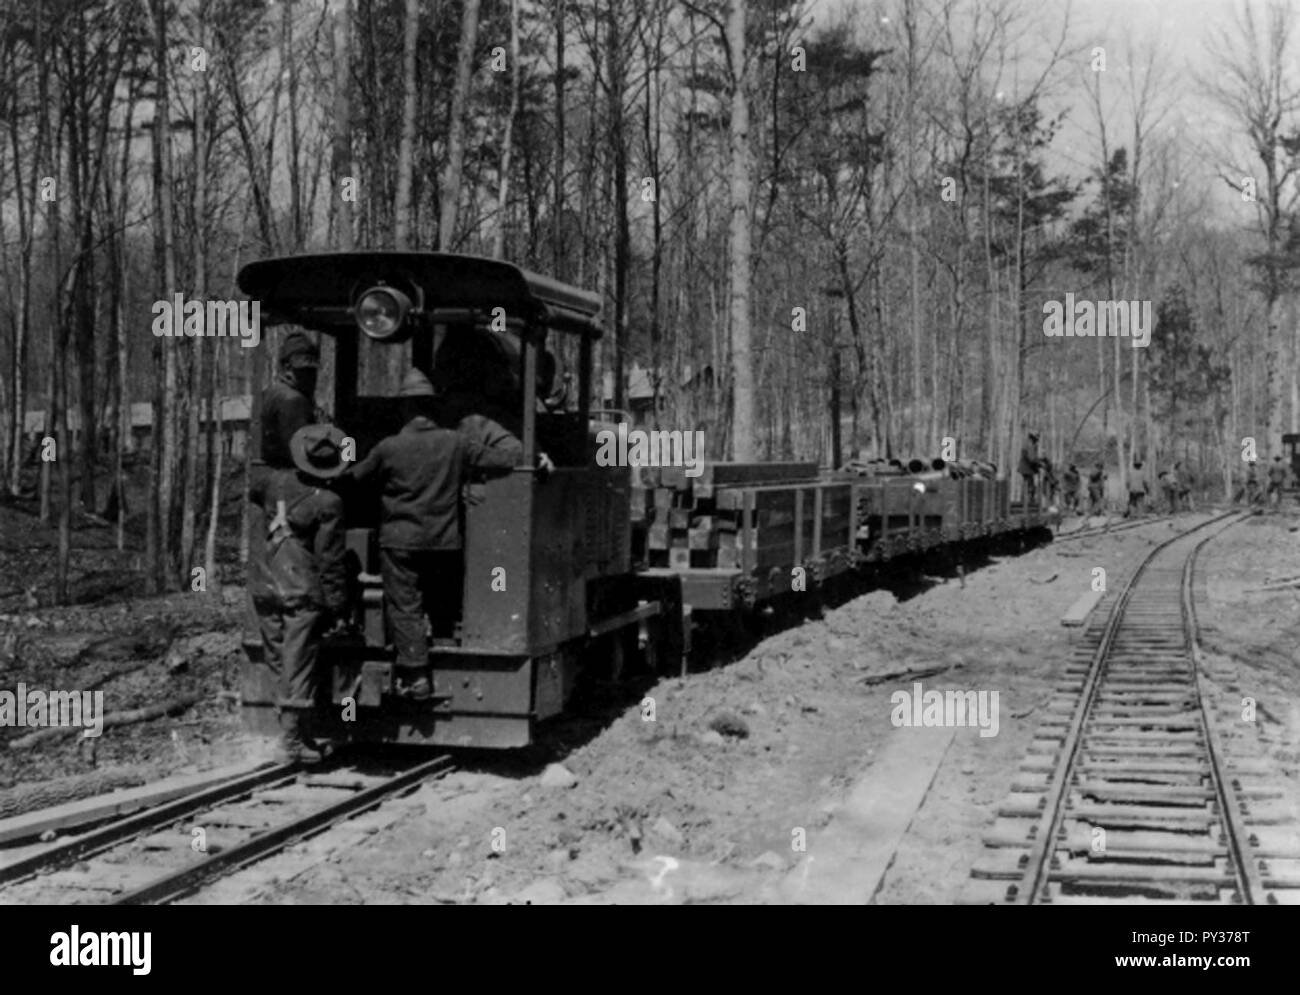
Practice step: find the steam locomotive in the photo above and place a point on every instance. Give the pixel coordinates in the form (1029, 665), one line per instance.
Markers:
(585, 563)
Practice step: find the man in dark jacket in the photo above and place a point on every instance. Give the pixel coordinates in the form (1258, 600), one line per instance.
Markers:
(288, 404)
(1071, 477)
(299, 586)
(419, 473)
(1028, 469)
(1097, 489)
(1252, 484)
(1276, 481)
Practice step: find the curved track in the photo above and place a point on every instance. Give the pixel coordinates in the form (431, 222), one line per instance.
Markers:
(172, 850)
(1105, 530)
(1132, 790)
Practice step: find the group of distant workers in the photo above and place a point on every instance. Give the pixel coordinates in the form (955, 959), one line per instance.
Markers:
(1278, 478)
(1032, 466)
(1174, 483)
(299, 583)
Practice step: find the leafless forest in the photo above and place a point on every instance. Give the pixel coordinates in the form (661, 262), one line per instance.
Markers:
(824, 229)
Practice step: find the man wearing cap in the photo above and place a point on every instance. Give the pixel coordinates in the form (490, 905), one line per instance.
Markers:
(1028, 468)
(419, 472)
(288, 404)
(299, 587)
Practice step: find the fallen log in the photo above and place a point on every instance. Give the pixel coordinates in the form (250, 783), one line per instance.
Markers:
(901, 675)
(126, 717)
(45, 794)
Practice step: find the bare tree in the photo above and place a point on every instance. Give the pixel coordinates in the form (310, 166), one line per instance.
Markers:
(451, 178)
(1254, 83)
(507, 137)
(742, 168)
(343, 120)
(405, 152)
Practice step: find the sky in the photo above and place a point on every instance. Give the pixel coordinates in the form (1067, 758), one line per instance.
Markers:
(1177, 33)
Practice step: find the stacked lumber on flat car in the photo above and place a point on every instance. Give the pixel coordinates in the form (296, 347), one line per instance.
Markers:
(744, 516)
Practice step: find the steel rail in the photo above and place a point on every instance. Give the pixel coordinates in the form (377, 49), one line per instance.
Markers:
(1250, 885)
(187, 880)
(115, 833)
(1053, 809)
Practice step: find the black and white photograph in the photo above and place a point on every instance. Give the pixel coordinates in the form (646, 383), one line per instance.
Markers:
(650, 452)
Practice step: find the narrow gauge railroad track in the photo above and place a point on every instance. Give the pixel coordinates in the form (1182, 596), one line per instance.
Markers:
(1110, 529)
(150, 857)
(1132, 791)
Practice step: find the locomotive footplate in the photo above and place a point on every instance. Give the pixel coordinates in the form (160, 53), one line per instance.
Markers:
(478, 700)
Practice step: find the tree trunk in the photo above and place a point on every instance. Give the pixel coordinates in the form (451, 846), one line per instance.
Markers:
(58, 422)
(165, 568)
(405, 152)
(742, 390)
(289, 60)
(199, 349)
(27, 208)
(456, 131)
(616, 67)
(342, 150)
(557, 209)
(507, 138)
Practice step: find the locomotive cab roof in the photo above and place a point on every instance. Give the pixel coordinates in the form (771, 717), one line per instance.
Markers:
(321, 291)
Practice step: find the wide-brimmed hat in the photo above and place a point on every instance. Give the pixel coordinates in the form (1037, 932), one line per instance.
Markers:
(416, 384)
(317, 450)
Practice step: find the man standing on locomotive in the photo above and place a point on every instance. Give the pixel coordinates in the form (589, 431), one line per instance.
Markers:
(419, 473)
(289, 403)
(299, 586)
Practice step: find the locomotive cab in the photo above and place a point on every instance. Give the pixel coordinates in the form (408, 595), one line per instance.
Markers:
(547, 554)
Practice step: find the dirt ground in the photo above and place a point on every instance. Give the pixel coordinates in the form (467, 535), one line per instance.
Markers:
(777, 778)
(139, 651)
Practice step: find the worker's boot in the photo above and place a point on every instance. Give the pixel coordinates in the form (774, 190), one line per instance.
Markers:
(294, 745)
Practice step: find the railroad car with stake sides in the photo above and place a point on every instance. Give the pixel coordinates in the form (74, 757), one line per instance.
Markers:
(580, 566)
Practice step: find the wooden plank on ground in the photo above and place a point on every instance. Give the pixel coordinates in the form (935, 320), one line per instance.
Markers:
(117, 802)
(1078, 612)
(854, 852)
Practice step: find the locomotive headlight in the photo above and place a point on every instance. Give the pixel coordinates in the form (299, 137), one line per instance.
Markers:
(381, 311)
